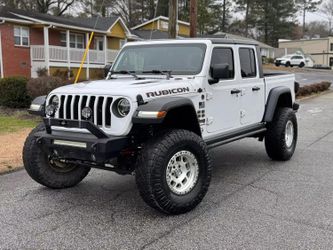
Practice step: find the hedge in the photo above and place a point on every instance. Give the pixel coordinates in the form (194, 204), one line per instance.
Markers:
(13, 92)
(43, 85)
(313, 88)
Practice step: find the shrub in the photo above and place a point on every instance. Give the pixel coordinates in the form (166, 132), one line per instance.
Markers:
(42, 72)
(13, 92)
(313, 88)
(43, 85)
(63, 74)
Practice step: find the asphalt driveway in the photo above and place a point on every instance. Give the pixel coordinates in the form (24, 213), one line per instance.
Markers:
(253, 202)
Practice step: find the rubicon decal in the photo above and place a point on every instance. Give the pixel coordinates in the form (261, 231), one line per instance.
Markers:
(168, 92)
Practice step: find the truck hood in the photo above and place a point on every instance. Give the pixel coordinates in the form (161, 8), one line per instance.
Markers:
(130, 87)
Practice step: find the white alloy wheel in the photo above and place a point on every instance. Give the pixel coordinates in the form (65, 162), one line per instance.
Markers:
(289, 134)
(182, 172)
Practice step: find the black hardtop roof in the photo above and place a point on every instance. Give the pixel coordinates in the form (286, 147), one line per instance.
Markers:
(213, 40)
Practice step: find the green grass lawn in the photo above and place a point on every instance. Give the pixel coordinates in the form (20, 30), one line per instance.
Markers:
(14, 123)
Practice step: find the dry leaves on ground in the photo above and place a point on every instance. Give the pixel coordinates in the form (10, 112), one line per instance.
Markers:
(11, 145)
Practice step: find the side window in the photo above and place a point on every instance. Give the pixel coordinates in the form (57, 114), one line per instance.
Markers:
(248, 62)
(224, 56)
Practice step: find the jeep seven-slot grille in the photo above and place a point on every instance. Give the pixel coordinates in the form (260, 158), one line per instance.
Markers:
(71, 106)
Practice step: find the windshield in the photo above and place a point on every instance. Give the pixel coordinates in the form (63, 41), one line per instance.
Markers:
(178, 59)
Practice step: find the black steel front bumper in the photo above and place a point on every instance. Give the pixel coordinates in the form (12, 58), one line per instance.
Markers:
(95, 146)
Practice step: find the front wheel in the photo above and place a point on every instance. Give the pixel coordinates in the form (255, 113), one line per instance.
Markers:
(173, 171)
(47, 172)
(281, 135)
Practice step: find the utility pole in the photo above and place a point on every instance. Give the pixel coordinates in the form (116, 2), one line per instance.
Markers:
(193, 18)
(173, 11)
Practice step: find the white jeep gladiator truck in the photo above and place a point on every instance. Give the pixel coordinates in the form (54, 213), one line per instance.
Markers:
(162, 106)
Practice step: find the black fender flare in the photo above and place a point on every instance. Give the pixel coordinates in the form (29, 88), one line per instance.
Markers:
(160, 104)
(272, 102)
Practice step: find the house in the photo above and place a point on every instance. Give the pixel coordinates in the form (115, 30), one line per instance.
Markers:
(320, 49)
(30, 41)
(157, 28)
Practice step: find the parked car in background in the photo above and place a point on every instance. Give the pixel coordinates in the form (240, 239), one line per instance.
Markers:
(291, 60)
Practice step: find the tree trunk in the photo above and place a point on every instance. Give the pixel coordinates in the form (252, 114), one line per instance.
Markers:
(224, 15)
(247, 11)
(193, 18)
(173, 5)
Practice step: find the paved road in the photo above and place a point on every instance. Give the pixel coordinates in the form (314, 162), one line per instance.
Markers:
(310, 76)
(252, 203)
(314, 77)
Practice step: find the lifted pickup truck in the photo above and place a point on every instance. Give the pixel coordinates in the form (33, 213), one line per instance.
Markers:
(163, 105)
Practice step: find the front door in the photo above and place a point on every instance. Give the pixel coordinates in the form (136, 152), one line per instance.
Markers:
(99, 44)
(223, 104)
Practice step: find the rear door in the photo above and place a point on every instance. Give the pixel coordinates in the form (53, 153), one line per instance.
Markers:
(252, 85)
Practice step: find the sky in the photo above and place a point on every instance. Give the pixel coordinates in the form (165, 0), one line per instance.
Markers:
(316, 16)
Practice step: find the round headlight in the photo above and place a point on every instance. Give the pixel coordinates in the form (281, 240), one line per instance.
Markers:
(86, 113)
(123, 107)
(50, 110)
(55, 101)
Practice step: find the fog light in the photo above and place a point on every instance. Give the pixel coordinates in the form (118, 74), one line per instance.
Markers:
(50, 110)
(86, 113)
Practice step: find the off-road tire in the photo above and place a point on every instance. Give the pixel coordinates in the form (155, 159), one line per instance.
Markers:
(301, 65)
(152, 165)
(38, 167)
(288, 64)
(275, 140)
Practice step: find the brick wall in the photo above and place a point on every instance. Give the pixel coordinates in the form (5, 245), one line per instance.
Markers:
(37, 36)
(16, 59)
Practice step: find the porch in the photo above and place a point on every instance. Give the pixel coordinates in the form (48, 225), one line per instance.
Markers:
(62, 55)
(58, 48)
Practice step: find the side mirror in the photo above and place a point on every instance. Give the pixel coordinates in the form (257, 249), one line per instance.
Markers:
(107, 69)
(219, 71)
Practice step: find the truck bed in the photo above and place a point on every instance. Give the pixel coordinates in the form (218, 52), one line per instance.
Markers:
(277, 79)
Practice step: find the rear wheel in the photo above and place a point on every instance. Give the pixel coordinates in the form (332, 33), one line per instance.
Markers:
(281, 135)
(302, 64)
(288, 64)
(50, 173)
(173, 172)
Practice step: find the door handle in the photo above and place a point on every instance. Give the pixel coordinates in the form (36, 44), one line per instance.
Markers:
(235, 91)
(256, 88)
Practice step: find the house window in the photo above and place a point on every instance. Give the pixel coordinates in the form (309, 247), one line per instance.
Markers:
(248, 62)
(76, 41)
(331, 61)
(21, 36)
(331, 46)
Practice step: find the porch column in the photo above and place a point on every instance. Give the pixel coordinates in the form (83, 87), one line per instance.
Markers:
(46, 49)
(88, 57)
(105, 50)
(68, 47)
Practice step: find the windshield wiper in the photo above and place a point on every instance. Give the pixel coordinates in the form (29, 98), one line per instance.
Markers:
(167, 73)
(125, 72)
